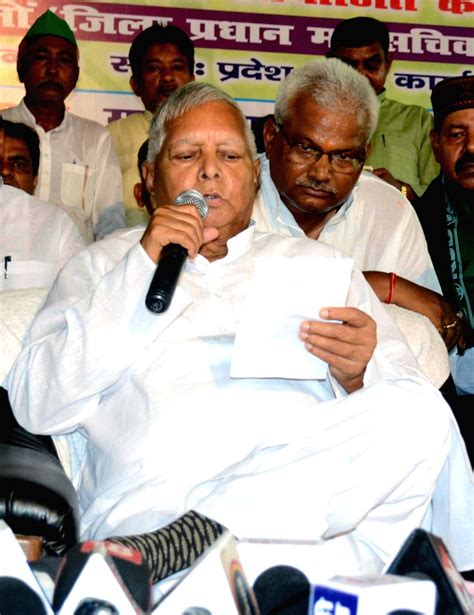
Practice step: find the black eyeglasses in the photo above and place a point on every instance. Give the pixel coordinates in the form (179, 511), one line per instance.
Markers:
(340, 162)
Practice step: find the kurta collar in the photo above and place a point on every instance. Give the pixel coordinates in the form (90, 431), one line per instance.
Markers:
(284, 216)
(27, 112)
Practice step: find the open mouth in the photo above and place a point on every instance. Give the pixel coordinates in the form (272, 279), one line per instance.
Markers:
(211, 196)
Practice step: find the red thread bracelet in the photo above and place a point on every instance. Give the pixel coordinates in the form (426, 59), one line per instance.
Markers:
(393, 281)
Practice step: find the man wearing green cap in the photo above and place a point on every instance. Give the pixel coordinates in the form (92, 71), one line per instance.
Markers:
(79, 169)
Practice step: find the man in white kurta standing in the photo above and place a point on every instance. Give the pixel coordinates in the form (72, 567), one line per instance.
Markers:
(176, 423)
(79, 169)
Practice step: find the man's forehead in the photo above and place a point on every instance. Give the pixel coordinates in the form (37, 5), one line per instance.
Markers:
(216, 118)
(13, 143)
(309, 114)
(49, 41)
(161, 51)
(365, 52)
(460, 118)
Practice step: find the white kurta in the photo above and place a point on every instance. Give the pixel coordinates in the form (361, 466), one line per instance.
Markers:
(377, 226)
(36, 238)
(169, 430)
(79, 171)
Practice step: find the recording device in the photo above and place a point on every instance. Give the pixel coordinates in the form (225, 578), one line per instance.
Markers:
(95, 607)
(283, 590)
(172, 259)
(17, 597)
(102, 577)
(422, 578)
(20, 592)
(215, 584)
(373, 595)
(424, 555)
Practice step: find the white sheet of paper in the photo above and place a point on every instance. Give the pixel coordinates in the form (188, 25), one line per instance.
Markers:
(283, 292)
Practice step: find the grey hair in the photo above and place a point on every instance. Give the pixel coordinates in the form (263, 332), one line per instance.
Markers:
(332, 85)
(184, 99)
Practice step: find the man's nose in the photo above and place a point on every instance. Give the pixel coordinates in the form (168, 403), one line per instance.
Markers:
(5, 168)
(52, 67)
(210, 167)
(320, 169)
(167, 73)
(469, 142)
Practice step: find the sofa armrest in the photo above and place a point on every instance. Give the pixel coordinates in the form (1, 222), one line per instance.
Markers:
(36, 496)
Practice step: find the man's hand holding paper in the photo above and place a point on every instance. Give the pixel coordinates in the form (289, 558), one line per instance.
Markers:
(283, 309)
(346, 346)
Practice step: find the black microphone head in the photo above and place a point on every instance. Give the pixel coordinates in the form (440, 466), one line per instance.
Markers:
(193, 197)
(16, 597)
(93, 606)
(282, 590)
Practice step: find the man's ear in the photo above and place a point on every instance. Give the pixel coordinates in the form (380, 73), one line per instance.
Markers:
(368, 149)
(269, 131)
(78, 70)
(434, 136)
(137, 193)
(148, 171)
(35, 181)
(256, 169)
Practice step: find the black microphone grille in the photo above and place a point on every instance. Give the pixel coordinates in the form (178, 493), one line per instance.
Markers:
(193, 197)
(282, 590)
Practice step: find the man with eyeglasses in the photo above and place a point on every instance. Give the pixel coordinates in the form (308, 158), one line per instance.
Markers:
(313, 183)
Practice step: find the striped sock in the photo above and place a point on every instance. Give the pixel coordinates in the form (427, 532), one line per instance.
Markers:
(175, 546)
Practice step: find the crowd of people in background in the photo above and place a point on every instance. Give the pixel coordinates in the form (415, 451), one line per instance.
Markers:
(390, 185)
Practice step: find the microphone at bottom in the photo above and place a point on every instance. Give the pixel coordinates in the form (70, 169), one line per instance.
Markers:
(422, 579)
(172, 259)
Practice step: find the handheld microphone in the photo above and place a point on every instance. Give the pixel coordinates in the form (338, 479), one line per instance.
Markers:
(171, 260)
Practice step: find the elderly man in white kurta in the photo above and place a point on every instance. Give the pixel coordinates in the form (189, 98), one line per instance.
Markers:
(313, 183)
(326, 458)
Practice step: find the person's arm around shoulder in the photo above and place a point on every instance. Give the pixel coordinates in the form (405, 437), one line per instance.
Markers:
(366, 346)
(391, 288)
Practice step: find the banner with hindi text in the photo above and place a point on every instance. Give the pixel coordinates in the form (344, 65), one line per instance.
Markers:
(246, 49)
